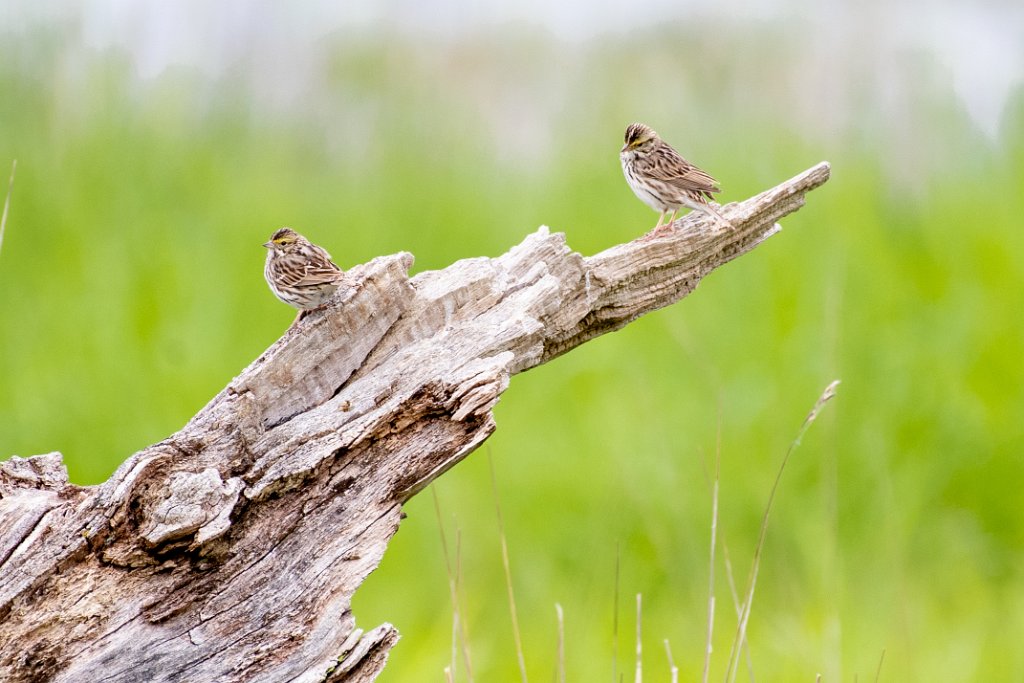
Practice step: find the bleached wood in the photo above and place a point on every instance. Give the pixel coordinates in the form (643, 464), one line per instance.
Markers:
(230, 551)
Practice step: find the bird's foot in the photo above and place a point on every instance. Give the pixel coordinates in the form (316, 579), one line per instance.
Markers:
(658, 231)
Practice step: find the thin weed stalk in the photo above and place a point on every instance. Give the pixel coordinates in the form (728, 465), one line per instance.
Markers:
(639, 641)
(711, 553)
(727, 561)
(615, 620)
(454, 577)
(741, 629)
(731, 578)
(560, 671)
(7, 202)
(508, 573)
(671, 663)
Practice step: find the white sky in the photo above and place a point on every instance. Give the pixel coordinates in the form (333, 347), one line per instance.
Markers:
(981, 43)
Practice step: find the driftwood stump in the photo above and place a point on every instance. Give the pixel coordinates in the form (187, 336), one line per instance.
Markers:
(230, 551)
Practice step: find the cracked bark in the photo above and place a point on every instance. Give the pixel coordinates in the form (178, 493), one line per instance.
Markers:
(230, 551)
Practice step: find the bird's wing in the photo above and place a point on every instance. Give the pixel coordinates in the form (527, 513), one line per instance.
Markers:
(311, 266)
(319, 274)
(672, 168)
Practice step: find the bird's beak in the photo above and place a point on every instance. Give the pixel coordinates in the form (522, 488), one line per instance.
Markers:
(624, 147)
(268, 245)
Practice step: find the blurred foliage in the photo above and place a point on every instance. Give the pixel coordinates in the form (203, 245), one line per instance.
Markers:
(131, 290)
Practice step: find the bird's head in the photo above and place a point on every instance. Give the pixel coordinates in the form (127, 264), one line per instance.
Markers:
(640, 139)
(284, 239)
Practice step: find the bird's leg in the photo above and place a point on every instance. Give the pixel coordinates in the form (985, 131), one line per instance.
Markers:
(661, 217)
(306, 311)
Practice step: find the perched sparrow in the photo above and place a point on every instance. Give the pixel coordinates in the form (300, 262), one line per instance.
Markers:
(663, 179)
(300, 273)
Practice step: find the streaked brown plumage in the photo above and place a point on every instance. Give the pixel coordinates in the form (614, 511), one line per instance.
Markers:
(662, 178)
(300, 273)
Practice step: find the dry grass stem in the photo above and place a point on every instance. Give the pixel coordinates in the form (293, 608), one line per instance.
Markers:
(711, 554)
(459, 630)
(615, 621)
(460, 620)
(508, 573)
(639, 647)
(7, 202)
(729, 574)
(671, 663)
(741, 629)
(560, 672)
(731, 578)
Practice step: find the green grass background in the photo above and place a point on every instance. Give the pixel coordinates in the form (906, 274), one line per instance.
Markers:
(131, 291)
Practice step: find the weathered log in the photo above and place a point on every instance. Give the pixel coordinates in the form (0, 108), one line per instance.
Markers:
(231, 550)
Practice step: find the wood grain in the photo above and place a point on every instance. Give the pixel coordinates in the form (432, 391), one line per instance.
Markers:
(231, 550)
